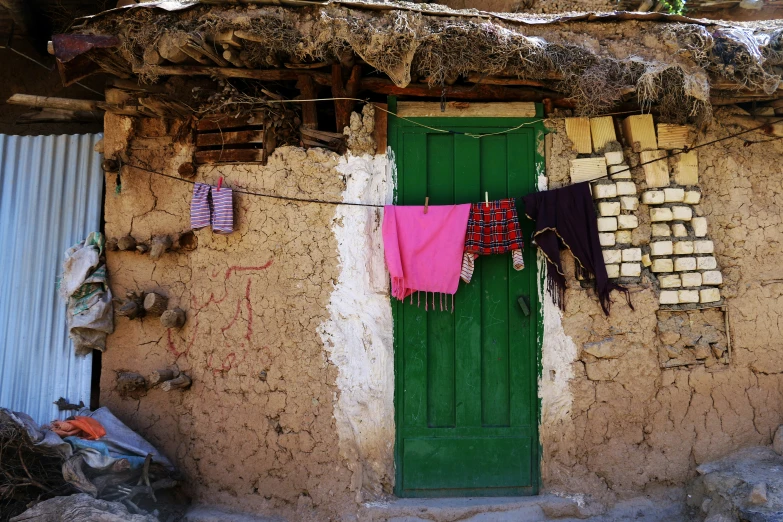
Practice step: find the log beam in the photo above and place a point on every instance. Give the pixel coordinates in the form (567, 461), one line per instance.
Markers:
(350, 89)
(307, 90)
(49, 102)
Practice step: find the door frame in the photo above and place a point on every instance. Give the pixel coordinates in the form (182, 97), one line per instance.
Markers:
(537, 123)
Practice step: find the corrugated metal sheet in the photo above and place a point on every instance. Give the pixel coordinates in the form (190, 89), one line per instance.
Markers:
(51, 190)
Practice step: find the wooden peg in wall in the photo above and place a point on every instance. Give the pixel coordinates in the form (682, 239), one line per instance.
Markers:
(426, 204)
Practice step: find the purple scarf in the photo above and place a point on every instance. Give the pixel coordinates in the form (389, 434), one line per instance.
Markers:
(565, 218)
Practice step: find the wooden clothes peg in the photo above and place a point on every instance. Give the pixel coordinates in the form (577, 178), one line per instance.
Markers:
(426, 204)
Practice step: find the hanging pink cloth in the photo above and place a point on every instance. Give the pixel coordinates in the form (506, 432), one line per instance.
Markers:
(424, 251)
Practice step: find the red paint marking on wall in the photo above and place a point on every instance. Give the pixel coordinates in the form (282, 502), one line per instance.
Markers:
(229, 271)
(173, 349)
(229, 363)
(234, 319)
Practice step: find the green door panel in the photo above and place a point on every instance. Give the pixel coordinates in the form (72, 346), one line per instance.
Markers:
(466, 380)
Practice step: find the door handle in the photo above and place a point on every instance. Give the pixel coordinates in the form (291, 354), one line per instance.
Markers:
(523, 305)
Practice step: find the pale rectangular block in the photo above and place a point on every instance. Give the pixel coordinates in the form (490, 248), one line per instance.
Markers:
(662, 265)
(578, 131)
(612, 256)
(679, 230)
(661, 248)
(613, 271)
(682, 213)
(712, 277)
(685, 167)
(603, 191)
(709, 295)
(699, 225)
(673, 195)
(646, 261)
(706, 263)
(614, 157)
(607, 224)
(692, 197)
(703, 247)
(609, 208)
(661, 214)
(629, 202)
(684, 264)
(669, 297)
(587, 169)
(672, 137)
(669, 281)
(688, 296)
(661, 230)
(623, 237)
(653, 197)
(632, 254)
(640, 129)
(627, 221)
(691, 279)
(656, 168)
(606, 238)
(630, 270)
(626, 188)
(620, 171)
(602, 130)
(683, 248)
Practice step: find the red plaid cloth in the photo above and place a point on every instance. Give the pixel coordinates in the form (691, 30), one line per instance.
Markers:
(493, 229)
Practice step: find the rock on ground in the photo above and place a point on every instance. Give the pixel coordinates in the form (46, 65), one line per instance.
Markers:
(81, 507)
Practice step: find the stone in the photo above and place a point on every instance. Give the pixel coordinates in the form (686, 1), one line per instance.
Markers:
(712, 277)
(613, 271)
(632, 254)
(661, 230)
(669, 297)
(607, 224)
(612, 256)
(626, 188)
(706, 263)
(688, 296)
(691, 279)
(699, 225)
(630, 270)
(614, 157)
(679, 230)
(661, 214)
(629, 203)
(653, 197)
(606, 348)
(673, 195)
(603, 191)
(670, 281)
(758, 494)
(661, 248)
(684, 264)
(623, 237)
(692, 197)
(669, 337)
(606, 238)
(702, 350)
(682, 213)
(646, 261)
(709, 295)
(682, 248)
(662, 265)
(609, 208)
(620, 172)
(627, 222)
(83, 507)
(703, 247)
(777, 440)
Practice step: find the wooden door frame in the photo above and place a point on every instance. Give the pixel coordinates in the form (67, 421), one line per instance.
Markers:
(537, 123)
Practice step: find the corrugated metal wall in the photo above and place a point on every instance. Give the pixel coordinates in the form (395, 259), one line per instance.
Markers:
(51, 190)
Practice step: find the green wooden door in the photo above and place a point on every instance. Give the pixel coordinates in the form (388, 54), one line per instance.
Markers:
(466, 382)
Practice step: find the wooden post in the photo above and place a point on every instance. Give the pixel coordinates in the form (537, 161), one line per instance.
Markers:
(166, 374)
(181, 382)
(45, 102)
(307, 90)
(174, 318)
(155, 304)
(349, 89)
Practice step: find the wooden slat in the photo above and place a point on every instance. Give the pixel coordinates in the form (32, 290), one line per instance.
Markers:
(380, 129)
(672, 137)
(602, 131)
(467, 109)
(685, 168)
(656, 173)
(640, 129)
(217, 122)
(578, 131)
(229, 156)
(586, 169)
(229, 138)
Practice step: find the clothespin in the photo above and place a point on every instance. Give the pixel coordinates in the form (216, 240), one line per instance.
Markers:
(486, 199)
(220, 183)
(426, 204)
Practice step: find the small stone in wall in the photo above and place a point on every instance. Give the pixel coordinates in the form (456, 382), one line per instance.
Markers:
(626, 188)
(630, 269)
(661, 248)
(629, 203)
(661, 230)
(682, 213)
(661, 214)
(612, 256)
(662, 265)
(653, 197)
(691, 279)
(673, 195)
(614, 157)
(606, 238)
(703, 247)
(607, 224)
(684, 264)
(706, 263)
(758, 494)
(679, 230)
(688, 296)
(777, 440)
(609, 208)
(646, 261)
(683, 248)
(613, 271)
(669, 297)
(632, 254)
(623, 237)
(620, 172)
(627, 222)
(603, 191)
(670, 281)
(712, 277)
(709, 295)
(692, 197)
(699, 225)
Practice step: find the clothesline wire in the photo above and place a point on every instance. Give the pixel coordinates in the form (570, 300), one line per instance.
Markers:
(369, 205)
